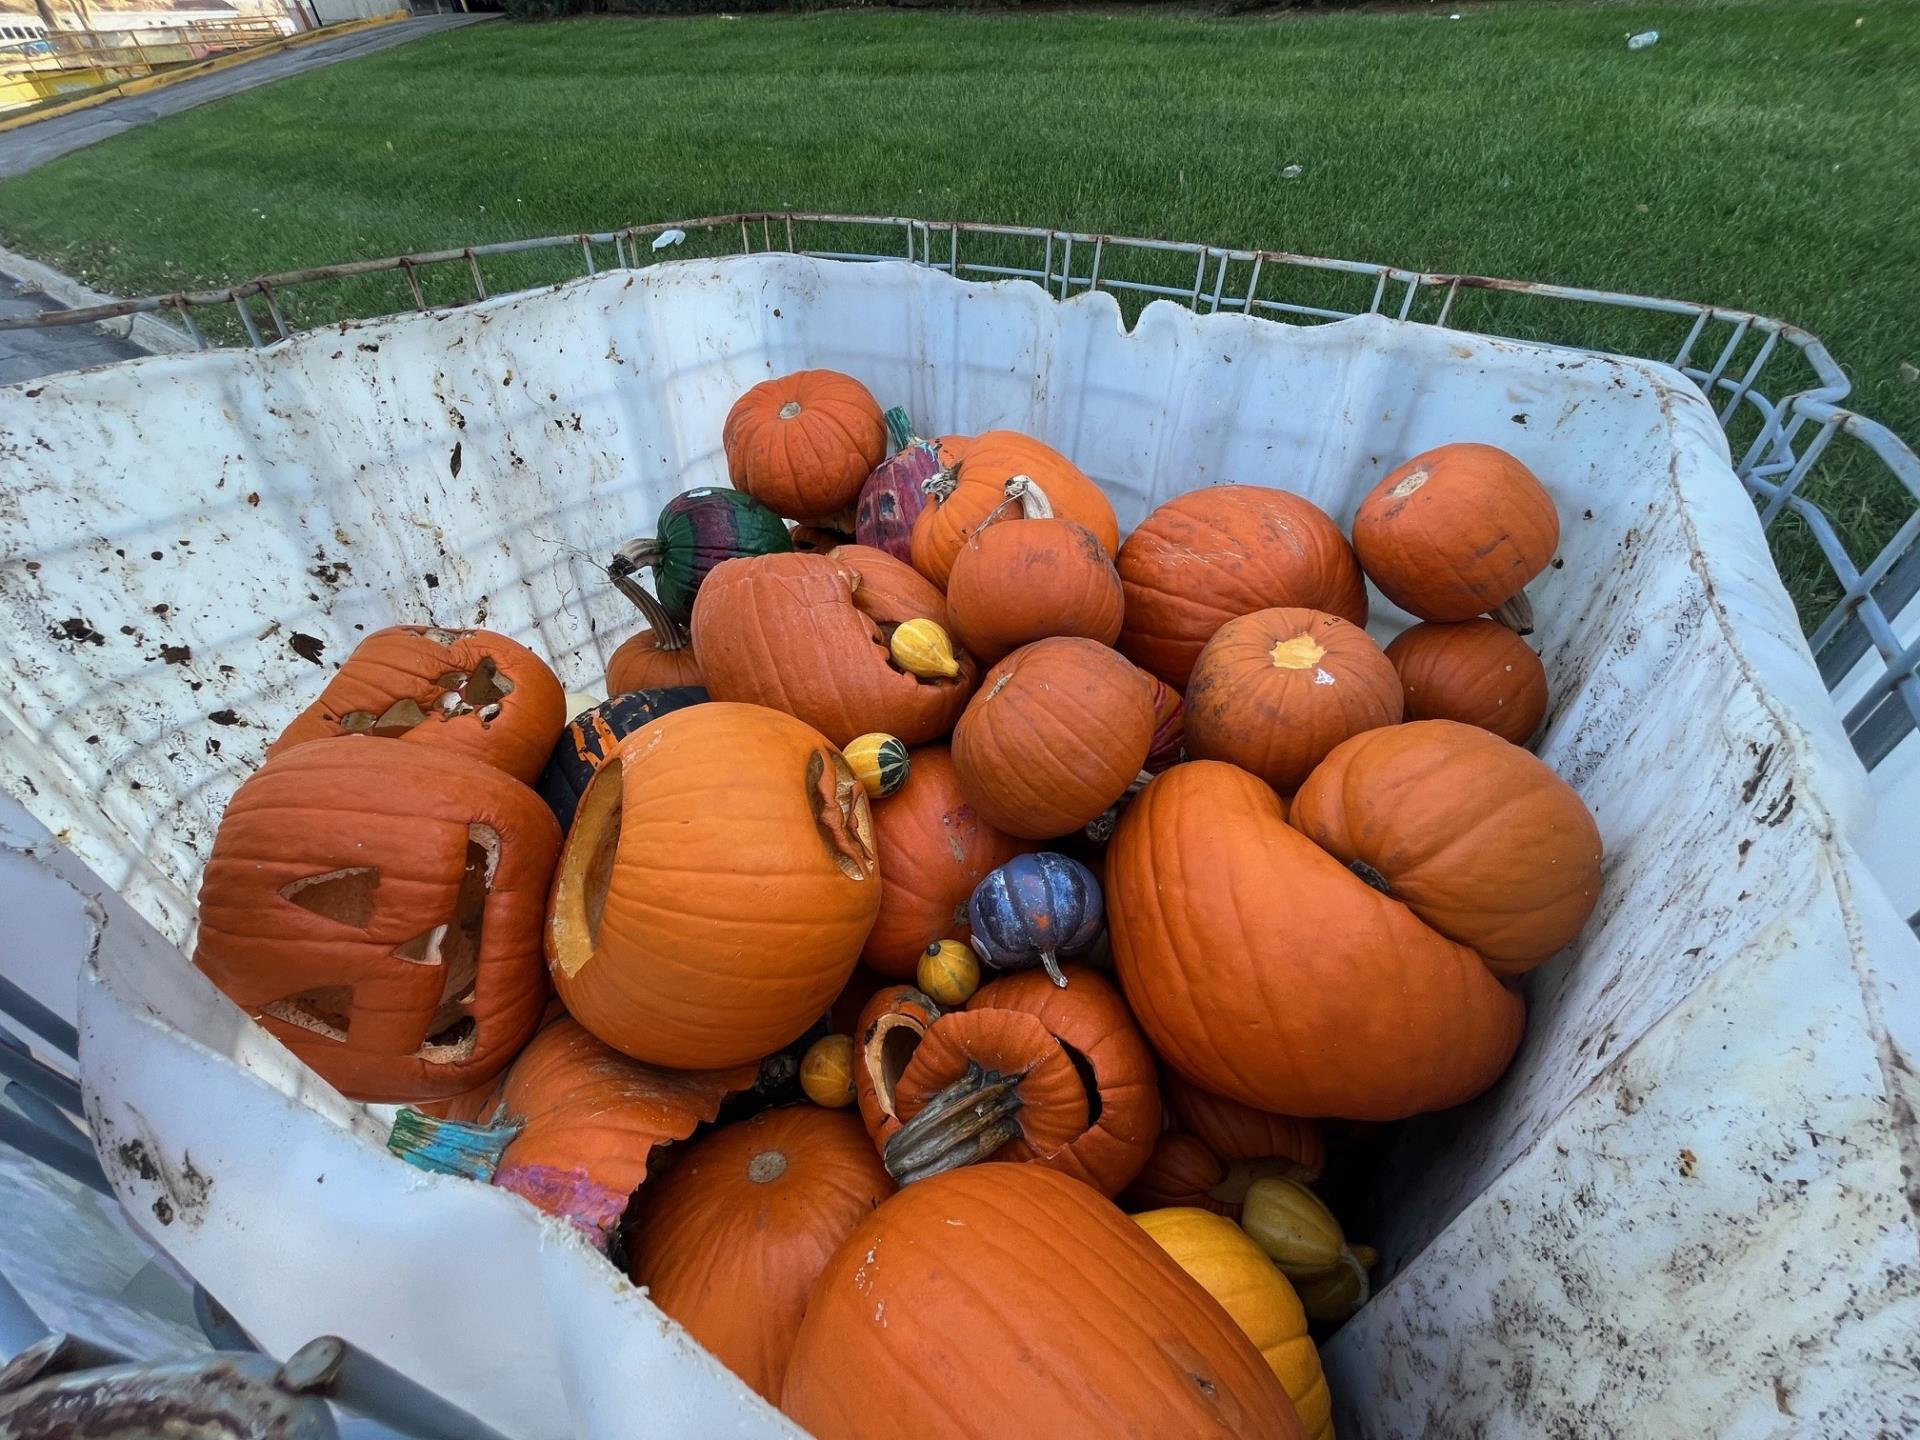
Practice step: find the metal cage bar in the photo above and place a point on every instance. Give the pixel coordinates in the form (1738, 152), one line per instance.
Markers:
(1776, 465)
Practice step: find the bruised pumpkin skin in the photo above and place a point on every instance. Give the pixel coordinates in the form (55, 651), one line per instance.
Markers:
(1234, 1131)
(1477, 672)
(1008, 1300)
(979, 487)
(1456, 531)
(1274, 691)
(1225, 550)
(1058, 731)
(1020, 580)
(590, 1120)
(1477, 837)
(807, 634)
(1262, 969)
(376, 907)
(730, 1241)
(715, 889)
(475, 692)
(933, 851)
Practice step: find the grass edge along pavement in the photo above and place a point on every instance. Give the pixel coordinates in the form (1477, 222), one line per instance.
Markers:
(1747, 160)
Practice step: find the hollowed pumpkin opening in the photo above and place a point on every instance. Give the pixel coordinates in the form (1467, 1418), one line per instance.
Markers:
(456, 946)
(586, 870)
(324, 1010)
(1089, 1082)
(396, 720)
(890, 1047)
(345, 896)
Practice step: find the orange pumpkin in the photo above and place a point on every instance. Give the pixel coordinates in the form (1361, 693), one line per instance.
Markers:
(1059, 1077)
(1026, 575)
(1263, 969)
(590, 1120)
(469, 691)
(890, 590)
(643, 663)
(1477, 837)
(715, 889)
(1457, 532)
(1056, 734)
(1169, 726)
(861, 986)
(1274, 691)
(890, 1029)
(375, 905)
(731, 1240)
(1051, 1279)
(1478, 672)
(933, 851)
(1226, 550)
(1239, 1132)
(808, 634)
(961, 499)
(803, 444)
(1180, 1170)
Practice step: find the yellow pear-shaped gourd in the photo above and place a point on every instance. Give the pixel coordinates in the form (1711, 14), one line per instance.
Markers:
(949, 973)
(1226, 1263)
(879, 761)
(922, 648)
(1339, 1294)
(826, 1073)
(1288, 1221)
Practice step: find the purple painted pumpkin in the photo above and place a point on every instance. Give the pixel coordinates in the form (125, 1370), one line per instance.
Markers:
(1033, 910)
(892, 497)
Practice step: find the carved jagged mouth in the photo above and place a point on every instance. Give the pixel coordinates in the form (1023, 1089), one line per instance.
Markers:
(841, 813)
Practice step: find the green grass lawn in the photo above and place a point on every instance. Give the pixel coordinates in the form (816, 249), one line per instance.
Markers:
(1763, 155)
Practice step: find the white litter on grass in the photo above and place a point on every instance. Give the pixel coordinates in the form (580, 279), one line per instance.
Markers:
(1645, 40)
(1293, 172)
(668, 237)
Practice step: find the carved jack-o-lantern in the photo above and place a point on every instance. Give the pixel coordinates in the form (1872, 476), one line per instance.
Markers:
(377, 906)
(470, 691)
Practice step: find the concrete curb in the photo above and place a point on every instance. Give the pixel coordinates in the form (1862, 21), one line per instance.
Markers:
(146, 331)
(160, 80)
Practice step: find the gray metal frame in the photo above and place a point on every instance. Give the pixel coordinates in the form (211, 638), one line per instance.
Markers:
(1725, 351)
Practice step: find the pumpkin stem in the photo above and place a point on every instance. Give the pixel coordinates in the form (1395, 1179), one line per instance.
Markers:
(1034, 504)
(667, 632)
(1051, 964)
(1516, 613)
(636, 555)
(899, 429)
(939, 485)
(963, 1124)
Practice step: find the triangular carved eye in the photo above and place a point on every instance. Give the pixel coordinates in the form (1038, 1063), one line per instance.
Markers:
(345, 896)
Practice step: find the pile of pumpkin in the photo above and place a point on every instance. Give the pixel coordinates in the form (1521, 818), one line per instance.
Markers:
(1234, 869)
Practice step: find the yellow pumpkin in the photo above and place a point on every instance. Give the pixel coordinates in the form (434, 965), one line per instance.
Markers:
(1225, 1263)
(922, 648)
(826, 1072)
(1288, 1221)
(949, 973)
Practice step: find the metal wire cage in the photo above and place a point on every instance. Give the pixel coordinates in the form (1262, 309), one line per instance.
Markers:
(1776, 389)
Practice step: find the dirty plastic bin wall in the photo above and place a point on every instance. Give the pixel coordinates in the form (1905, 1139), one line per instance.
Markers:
(1686, 1193)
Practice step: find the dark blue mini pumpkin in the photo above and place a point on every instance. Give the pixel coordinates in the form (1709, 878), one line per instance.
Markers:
(1033, 910)
(584, 745)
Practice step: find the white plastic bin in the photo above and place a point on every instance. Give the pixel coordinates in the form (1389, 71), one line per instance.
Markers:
(1685, 1207)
